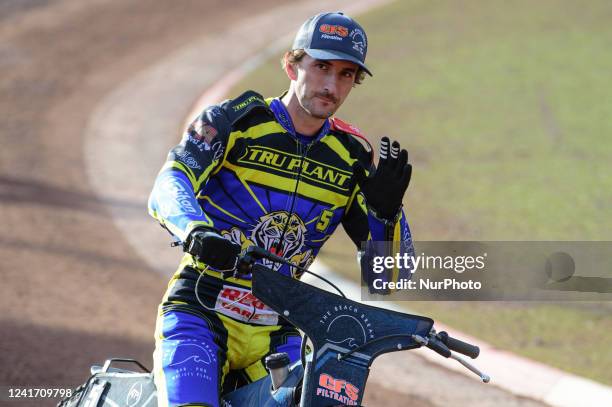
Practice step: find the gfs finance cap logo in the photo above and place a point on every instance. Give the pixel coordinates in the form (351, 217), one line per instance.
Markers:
(330, 29)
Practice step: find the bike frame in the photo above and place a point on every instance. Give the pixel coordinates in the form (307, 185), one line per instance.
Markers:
(347, 336)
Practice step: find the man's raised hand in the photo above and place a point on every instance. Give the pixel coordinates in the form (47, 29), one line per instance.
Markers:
(384, 188)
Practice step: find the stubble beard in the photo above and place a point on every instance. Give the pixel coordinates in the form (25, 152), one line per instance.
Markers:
(309, 106)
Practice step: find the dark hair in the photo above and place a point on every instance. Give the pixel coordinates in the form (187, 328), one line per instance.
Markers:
(295, 56)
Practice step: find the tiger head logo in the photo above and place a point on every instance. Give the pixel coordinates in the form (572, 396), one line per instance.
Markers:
(269, 231)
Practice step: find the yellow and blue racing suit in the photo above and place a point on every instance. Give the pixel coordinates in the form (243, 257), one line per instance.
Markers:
(243, 170)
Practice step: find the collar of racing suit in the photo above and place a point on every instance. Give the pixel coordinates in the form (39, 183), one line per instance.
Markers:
(283, 117)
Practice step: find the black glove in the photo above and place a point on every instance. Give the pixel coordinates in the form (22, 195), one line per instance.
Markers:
(211, 248)
(384, 188)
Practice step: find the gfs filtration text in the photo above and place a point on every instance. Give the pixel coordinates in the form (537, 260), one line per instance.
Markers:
(457, 264)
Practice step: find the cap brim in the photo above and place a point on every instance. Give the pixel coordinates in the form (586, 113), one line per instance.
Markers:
(327, 55)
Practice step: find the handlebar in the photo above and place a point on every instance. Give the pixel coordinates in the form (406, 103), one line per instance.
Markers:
(442, 343)
(250, 256)
(245, 262)
(438, 346)
(459, 346)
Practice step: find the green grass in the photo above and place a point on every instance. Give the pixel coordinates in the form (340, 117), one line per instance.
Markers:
(572, 337)
(505, 108)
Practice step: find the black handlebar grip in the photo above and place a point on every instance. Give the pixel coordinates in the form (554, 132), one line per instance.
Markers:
(459, 346)
(438, 346)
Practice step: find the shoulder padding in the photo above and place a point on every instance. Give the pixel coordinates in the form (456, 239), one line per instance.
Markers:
(344, 127)
(237, 108)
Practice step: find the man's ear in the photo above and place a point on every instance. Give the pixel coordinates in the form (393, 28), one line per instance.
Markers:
(290, 69)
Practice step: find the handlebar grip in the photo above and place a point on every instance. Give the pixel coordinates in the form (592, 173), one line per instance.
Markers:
(459, 346)
(250, 256)
(439, 347)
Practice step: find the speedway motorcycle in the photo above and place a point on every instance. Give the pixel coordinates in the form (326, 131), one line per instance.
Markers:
(345, 338)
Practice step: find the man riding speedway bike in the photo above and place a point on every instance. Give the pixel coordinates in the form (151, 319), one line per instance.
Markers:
(279, 173)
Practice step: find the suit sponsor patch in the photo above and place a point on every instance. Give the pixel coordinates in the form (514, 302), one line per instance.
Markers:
(289, 164)
(239, 303)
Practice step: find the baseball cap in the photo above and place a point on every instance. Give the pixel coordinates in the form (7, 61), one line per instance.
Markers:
(333, 36)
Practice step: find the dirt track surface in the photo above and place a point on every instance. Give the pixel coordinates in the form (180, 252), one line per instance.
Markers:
(74, 292)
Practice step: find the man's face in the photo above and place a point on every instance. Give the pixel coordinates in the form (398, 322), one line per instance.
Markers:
(322, 86)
